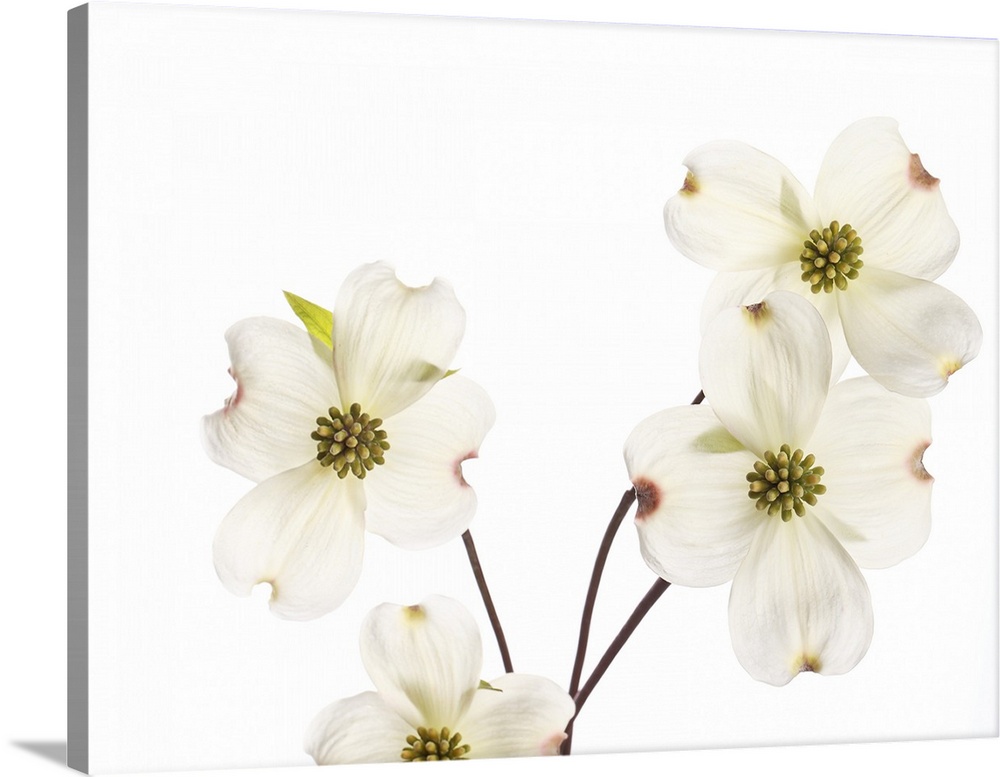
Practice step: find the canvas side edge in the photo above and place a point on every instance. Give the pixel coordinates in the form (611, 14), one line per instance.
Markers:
(77, 746)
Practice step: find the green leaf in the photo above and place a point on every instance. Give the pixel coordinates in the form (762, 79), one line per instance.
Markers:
(717, 440)
(318, 321)
(485, 686)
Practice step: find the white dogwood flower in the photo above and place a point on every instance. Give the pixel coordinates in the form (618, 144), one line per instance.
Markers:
(784, 486)
(343, 431)
(742, 212)
(430, 704)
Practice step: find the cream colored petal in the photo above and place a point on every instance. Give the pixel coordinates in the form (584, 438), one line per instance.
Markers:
(870, 443)
(301, 531)
(765, 370)
(871, 180)
(730, 289)
(525, 716)
(693, 514)
(738, 209)
(908, 334)
(419, 497)
(391, 342)
(361, 729)
(798, 604)
(284, 381)
(425, 659)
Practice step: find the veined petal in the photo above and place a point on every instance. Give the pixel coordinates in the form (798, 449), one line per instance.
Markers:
(798, 603)
(730, 289)
(765, 369)
(424, 659)
(694, 517)
(525, 716)
(908, 334)
(419, 498)
(301, 531)
(870, 180)
(391, 342)
(361, 729)
(739, 209)
(284, 380)
(870, 443)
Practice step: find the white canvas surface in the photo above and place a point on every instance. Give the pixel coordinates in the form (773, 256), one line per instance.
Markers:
(238, 153)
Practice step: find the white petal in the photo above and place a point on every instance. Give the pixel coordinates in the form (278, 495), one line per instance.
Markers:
(419, 498)
(525, 716)
(301, 531)
(729, 289)
(391, 342)
(908, 334)
(739, 209)
(361, 729)
(424, 659)
(284, 381)
(870, 180)
(798, 603)
(693, 515)
(870, 442)
(766, 370)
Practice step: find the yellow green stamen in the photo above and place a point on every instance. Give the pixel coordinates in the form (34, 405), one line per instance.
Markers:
(350, 442)
(433, 745)
(831, 258)
(785, 482)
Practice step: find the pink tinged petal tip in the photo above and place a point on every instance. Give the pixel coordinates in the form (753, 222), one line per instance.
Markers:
(806, 663)
(919, 176)
(552, 744)
(647, 498)
(458, 466)
(690, 185)
(757, 311)
(233, 399)
(917, 463)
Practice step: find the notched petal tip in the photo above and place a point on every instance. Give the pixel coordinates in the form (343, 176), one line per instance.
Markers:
(919, 176)
(413, 613)
(917, 463)
(647, 497)
(459, 475)
(757, 312)
(807, 663)
(690, 185)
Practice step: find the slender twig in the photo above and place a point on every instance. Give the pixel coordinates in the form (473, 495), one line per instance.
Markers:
(477, 570)
(588, 606)
(654, 593)
(595, 580)
(580, 696)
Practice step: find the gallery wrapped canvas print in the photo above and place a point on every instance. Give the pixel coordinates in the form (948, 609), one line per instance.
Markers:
(455, 389)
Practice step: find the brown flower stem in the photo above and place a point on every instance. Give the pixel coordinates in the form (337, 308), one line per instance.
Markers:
(654, 593)
(580, 696)
(477, 571)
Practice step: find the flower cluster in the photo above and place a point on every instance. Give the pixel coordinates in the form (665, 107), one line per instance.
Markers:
(784, 484)
(787, 482)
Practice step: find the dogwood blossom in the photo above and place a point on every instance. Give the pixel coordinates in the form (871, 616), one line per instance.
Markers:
(425, 661)
(352, 430)
(742, 212)
(784, 486)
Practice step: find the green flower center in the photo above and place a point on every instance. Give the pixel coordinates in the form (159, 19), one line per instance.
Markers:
(831, 258)
(350, 442)
(433, 745)
(781, 483)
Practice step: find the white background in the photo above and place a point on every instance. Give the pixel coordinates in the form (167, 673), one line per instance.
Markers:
(201, 660)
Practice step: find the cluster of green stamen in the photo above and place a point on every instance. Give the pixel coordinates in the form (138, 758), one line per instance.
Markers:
(350, 442)
(434, 745)
(831, 258)
(783, 481)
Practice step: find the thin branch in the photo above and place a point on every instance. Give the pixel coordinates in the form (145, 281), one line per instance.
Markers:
(477, 570)
(654, 593)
